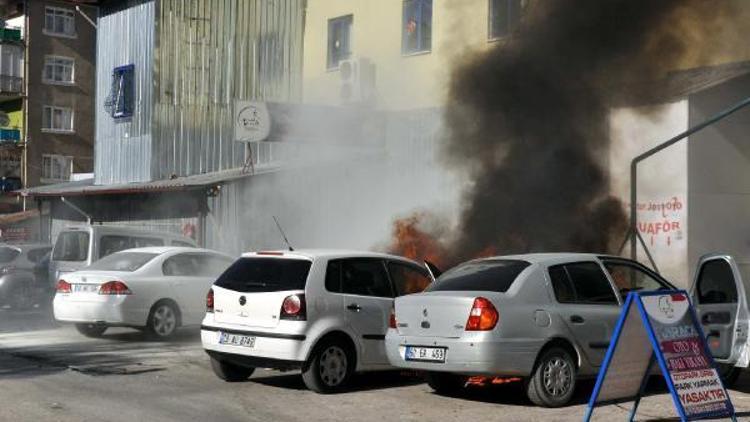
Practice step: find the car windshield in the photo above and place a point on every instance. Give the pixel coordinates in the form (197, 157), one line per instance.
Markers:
(251, 275)
(123, 261)
(71, 246)
(8, 254)
(493, 275)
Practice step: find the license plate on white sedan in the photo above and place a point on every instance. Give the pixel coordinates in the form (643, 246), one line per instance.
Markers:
(85, 288)
(430, 354)
(236, 340)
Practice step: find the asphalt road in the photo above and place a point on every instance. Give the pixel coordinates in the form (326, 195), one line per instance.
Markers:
(51, 373)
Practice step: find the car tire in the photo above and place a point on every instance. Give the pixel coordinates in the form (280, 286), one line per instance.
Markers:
(163, 320)
(728, 373)
(330, 367)
(230, 372)
(445, 383)
(553, 381)
(91, 330)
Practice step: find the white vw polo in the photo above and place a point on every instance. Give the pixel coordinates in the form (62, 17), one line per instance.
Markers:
(324, 312)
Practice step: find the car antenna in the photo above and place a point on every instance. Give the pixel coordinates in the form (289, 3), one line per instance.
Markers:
(276, 220)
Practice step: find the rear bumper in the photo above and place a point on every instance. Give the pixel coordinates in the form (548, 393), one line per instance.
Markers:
(256, 362)
(271, 349)
(110, 310)
(497, 357)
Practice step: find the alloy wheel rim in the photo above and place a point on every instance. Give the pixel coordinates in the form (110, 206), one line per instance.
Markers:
(557, 377)
(164, 320)
(333, 366)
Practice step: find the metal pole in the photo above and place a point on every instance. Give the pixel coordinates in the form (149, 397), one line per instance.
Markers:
(634, 168)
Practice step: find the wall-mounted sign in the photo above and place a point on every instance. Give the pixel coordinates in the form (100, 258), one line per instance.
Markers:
(252, 122)
(661, 328)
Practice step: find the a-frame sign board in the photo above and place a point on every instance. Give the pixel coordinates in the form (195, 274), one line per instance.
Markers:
(661, 328)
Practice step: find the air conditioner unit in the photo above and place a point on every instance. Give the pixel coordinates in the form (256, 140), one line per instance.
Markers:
(357, 80)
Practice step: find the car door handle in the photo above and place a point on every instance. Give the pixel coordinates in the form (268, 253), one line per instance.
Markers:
(577, 319)
(354, 307)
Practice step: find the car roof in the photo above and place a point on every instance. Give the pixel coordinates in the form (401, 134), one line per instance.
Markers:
(553, 257)
(166, 249)
(115, 229)
(326, 253)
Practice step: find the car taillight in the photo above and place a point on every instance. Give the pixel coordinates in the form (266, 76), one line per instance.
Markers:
(210, 301)
(483, 316)
(392, 319)
(293, 308)
(63, 287)
(114, 288)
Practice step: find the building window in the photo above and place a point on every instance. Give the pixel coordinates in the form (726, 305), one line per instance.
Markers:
(417, 26)
(504, 17)
(56, 168)
(119, 103)
(58, 70)
(339, 40)
(57, 119)
(59, 21)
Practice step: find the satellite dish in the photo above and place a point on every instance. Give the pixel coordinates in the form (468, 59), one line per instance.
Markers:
(4, 119)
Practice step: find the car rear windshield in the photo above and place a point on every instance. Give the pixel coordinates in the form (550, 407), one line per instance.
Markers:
(71, 246)
(487, 275)
(8, 254)
(253, 275)
(122, 261)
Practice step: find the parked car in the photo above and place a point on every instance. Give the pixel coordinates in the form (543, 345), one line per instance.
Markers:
(23, 275)
(77, 247)
(158, 289)
(324, 312)
(546, 318)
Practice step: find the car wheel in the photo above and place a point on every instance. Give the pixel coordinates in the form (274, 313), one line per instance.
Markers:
(554, 379)
(445, 383)
(230, 372)
(330, 367)
(91, 330)
(728, 373)
(162, 320)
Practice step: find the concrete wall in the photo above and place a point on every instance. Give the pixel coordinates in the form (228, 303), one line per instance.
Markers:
(402, 81)
(719, 176)
(662, 182)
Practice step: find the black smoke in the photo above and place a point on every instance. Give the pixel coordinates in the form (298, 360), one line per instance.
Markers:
(528, 119)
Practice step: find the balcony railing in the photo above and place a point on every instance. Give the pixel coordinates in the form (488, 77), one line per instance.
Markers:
(11, 84)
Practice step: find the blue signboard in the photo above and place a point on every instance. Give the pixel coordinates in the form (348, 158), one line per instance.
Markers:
(661, 328)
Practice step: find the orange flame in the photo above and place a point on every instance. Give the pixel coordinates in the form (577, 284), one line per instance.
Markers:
(412, 241)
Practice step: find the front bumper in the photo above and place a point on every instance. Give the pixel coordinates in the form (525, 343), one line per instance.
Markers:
(470, 357)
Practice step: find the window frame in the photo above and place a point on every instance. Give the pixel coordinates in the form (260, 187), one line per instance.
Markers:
(423, 271)
(341, 291)
(46, 125)
(48, 173)
(61, 13)
(348, 21)
(633, 264)
(421, 49)
(491, 36)
(698, 292)
(618, 298)
(52, 57)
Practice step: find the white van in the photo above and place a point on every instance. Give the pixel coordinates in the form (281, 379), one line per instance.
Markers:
(79, 246)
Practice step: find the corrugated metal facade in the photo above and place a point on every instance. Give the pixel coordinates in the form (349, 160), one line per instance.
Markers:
(209, 53)
(193, 59)
(123, 147)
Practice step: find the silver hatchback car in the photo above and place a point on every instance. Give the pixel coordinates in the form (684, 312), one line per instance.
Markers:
(546, 318)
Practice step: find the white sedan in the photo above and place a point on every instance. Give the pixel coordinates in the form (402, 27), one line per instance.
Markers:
(156, 288)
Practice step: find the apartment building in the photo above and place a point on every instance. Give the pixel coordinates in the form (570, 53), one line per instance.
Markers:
(47, 76)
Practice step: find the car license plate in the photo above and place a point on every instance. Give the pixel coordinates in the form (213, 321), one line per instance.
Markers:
(430, 354)
(85, 288)
(236, 340)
